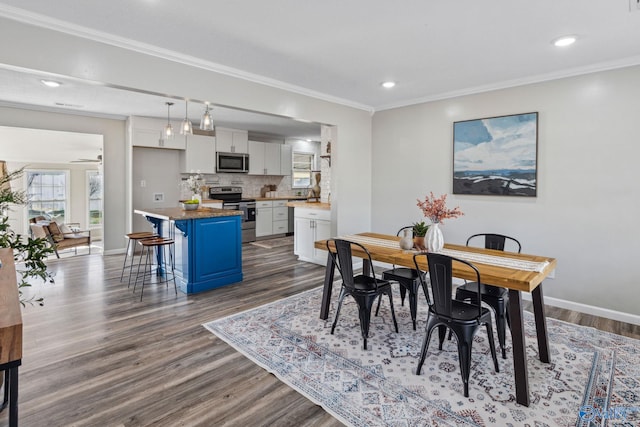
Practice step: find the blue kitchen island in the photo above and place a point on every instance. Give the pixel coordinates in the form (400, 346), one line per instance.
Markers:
(208, 245)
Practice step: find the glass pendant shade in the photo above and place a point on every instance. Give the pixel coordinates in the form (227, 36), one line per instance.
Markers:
(186, 128)
(206, 122)
(168, 129)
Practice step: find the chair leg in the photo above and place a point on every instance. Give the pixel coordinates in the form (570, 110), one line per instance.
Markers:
(413, 305)
(464, 355)
(364, 311)
(501, 330)
(403, 292)
(393, 312)
(442, 333)
(335, 321)
(124, 263)
(379, 301)
(425, 346)
(492, 345)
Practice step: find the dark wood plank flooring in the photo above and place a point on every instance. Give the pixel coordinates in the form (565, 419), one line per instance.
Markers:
(95, 355)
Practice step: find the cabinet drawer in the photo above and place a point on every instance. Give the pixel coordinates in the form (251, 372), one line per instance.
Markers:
(310, 213)
(264, 204)
(279, 203)
(280, 227)
(280, 213)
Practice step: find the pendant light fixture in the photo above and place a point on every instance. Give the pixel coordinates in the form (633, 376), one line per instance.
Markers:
(206, 122)
(168, 129)
(186, 128)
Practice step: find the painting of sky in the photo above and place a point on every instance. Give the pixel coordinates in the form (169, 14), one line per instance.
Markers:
(496, 155)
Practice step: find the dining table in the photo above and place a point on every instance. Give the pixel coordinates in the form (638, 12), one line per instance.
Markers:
(516, 272)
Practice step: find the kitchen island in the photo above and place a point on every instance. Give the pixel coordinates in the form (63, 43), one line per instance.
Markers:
(208, 245)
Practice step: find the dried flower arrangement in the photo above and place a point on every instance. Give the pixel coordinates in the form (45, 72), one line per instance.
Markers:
(436, 208)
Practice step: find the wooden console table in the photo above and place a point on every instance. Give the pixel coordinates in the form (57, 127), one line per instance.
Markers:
(10, 332)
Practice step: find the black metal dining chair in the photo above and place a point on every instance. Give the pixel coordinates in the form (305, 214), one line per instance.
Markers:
(462, 318)
(363, 288)
(496, 297)
(409, 281)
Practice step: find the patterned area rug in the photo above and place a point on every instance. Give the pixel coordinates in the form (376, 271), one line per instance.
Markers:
(274, 243)
(594, 376)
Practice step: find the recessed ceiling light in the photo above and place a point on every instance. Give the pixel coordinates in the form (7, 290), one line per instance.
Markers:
(388, 85)
(564, 41)
(50, 83)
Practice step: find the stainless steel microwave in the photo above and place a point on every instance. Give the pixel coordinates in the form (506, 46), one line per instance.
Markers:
(232, 162)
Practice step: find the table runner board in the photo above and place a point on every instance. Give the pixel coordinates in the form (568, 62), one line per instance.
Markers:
(499, 261)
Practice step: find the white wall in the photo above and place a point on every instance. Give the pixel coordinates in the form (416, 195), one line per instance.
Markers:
(588, 200)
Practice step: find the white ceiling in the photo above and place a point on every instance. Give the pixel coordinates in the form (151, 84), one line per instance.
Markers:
(338, 50)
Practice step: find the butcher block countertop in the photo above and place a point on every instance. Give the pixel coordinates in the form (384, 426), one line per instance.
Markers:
(179, 213)
(310, 205)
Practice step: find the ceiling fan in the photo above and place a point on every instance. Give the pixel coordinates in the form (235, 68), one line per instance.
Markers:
(96, 160)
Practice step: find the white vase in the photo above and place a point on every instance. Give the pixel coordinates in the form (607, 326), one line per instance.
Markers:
(434, 238)
(406, 242)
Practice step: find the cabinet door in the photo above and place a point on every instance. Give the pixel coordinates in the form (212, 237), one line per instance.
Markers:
(322, 231)
(199, 155)
(240, 140)
(280, 227)
(256, 158)
(272, 159)
(231, 140)
(285, 159)
(264, 222)
(303, 239)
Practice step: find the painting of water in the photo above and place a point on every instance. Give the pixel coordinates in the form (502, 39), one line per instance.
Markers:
(496, 156)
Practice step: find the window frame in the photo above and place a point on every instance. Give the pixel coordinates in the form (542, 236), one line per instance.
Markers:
(312, 162)
(67, 190)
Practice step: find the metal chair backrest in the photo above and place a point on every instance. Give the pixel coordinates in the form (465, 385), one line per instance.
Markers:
(440, 273)
(343, 260)
(495, 241)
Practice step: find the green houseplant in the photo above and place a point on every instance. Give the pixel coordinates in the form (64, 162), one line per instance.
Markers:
(419, 231)
(29, 254)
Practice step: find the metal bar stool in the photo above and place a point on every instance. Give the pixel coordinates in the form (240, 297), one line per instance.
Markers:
(164, 267)
(133, 237)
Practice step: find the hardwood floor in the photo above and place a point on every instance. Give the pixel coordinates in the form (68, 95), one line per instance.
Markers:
(95, 355)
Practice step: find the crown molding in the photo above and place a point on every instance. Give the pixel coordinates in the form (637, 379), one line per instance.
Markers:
(47, 22)
(563, 74)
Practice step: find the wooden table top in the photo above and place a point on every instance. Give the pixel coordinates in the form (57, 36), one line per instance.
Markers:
(10, 312)
(510, 278)
(179, 213)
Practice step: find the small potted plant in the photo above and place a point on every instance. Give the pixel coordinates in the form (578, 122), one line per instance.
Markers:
(419, 231)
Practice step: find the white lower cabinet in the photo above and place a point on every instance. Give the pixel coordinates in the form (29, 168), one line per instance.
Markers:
(264, 218)
(311, 225)
(272, 217)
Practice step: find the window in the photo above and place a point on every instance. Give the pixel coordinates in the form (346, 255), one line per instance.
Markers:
(94, 186)
(302, 167)
(47, 193)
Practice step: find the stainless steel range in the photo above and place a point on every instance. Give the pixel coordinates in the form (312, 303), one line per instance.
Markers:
(232, 199)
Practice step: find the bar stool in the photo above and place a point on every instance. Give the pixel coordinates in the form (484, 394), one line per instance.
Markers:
(163, 249)
(133, 237)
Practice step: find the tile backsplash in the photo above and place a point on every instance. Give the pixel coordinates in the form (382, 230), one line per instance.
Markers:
(251, 184)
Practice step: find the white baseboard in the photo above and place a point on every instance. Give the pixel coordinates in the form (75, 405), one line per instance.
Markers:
(588, 309)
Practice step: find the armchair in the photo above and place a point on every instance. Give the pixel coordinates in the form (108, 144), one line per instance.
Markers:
(61, 237)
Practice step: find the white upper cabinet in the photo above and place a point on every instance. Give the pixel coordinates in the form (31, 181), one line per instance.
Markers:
(285, 159)
(146, 132)
(199, 155)
(265, 158)
(232, 140)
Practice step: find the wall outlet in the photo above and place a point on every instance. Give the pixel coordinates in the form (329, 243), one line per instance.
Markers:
(158, 197)
(634, 5)
(143, 183)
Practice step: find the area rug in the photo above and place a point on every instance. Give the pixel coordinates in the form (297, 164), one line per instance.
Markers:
(594, 377)
(274, 243)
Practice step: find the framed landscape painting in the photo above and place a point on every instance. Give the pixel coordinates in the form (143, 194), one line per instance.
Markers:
(496, 156)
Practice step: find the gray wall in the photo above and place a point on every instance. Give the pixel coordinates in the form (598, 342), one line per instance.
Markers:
(588, 200)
